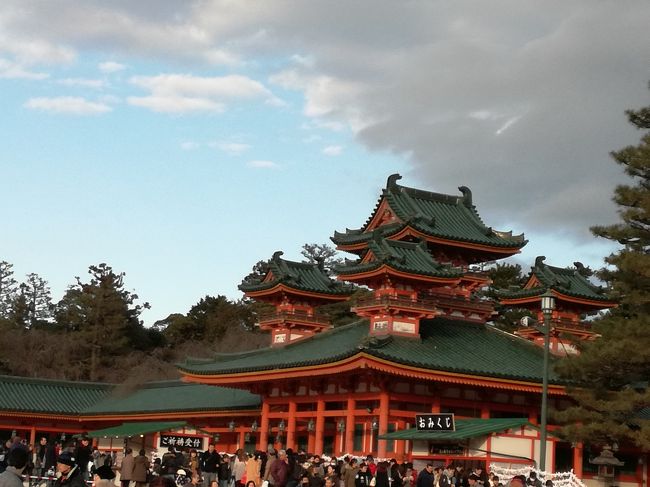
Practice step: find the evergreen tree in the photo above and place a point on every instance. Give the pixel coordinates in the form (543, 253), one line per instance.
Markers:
(36, 293)
(504, 276)
(7, 288)
(614, 370)
(104, 317)
(321, 254)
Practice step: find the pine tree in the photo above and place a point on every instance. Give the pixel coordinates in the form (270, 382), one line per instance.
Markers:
(614, 370)
(36, 293)
(7, 288)
(104, 317)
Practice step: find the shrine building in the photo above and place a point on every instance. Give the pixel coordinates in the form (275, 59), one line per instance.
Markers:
(422, 343)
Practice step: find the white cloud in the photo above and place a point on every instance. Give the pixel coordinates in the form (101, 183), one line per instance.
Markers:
(175, 104)
(83, 82)
(189, 145)
(261, 164)
(232, 148)
(181, 93)
(111, 67)
(11, 70)
(333, 150)
(68, 105)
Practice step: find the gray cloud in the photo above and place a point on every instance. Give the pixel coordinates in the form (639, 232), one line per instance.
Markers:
(519, 100)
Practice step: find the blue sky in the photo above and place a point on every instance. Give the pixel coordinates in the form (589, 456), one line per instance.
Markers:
(181, 143)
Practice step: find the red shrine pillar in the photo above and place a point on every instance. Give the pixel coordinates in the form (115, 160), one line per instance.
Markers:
(320, 426)
(400, 445)
(435, 405)
(577, 460)
(291, 425)
(264, 426)
(384, 406)
(349, 426)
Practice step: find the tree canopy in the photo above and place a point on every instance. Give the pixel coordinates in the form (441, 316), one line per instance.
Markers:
(612, 374)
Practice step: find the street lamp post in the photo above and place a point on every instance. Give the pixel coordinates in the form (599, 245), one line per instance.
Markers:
(548, 305)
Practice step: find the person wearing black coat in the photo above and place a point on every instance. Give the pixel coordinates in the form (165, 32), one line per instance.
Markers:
(426, 477)
(71, 475)
(209, 464)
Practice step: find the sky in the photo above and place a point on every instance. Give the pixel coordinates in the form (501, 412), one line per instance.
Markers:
(181, 142)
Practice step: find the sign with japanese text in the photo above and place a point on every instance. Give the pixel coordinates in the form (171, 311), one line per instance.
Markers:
(435, 422)
(181, 441)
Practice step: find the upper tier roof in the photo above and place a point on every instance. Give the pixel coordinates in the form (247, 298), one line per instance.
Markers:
(409, 257)
(445, 345)
(449, 217)
(565, 281)
(300, 276)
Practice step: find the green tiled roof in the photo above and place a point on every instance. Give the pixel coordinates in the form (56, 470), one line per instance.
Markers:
(438, 215)
(297, 275)
(465, 428)
(48, 396)
(410, 257)
(174, 396)
(133, 429)
(563, 280)
(444, 345)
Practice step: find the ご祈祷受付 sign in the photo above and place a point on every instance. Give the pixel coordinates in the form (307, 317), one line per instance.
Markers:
(181, 441)
(435, 422)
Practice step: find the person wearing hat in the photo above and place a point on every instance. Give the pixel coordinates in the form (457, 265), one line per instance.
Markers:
(104, 476)
(67, 471)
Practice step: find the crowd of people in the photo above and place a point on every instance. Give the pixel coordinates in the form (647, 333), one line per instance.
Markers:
(79, 464)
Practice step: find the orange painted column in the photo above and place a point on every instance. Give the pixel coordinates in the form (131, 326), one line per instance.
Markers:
(242, 438)
(32, 437)
(383, 422)
(320, 426)
(400, 445)
(349, 426)
(264, 427)
(291, 426)
(485, 413)
(577, 460)
(435, 406)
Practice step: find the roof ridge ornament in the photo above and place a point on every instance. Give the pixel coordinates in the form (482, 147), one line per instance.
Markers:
(391, 182)
(466, 199)
(539, 261)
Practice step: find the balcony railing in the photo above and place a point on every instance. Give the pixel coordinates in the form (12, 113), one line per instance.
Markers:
(294, 316)
(429, 304)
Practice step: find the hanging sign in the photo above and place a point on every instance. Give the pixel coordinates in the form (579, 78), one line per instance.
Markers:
(181, 441)
(435, 422)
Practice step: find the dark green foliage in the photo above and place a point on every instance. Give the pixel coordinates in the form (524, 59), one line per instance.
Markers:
(321, 254)
(503, 277)
(613, 372)
(7, 288)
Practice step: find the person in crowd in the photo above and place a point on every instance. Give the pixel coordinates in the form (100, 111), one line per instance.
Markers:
(224, 472)
(381, 475)
(394, 475)
(70, 474)
(271, 456)
(532, 480)
(441, 478)
(251, 483)
(363, 476)
(408, 475)
(372, 466)
(473, 480)
(495, 482)
(126, 467)
(209, 465)
(239, 467)
(350, 472)
(280, 470)
(193, 461)
(315, 479)
(195, 479)
(83, 452)
(103, 476)
(482, 475)
(425, 478)
(46, 456)
(330, 473)
(16, 460)
(140, 469)
(168, 463)
(518, 481)
(318, 464)
(549, 483)
(253, 466)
